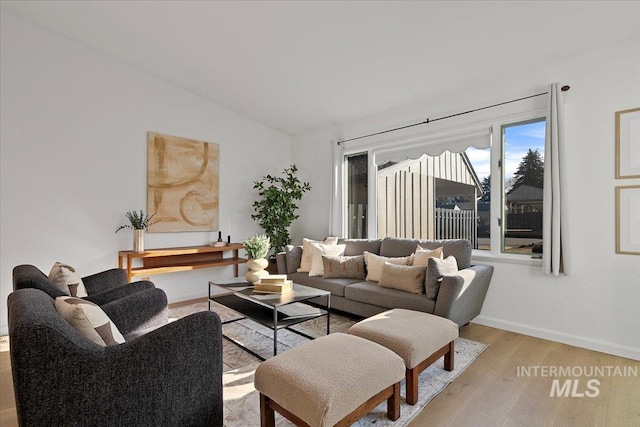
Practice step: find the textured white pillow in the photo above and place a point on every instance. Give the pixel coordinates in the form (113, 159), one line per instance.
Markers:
(376, 262)
(421, 256)
(65, 278)
(320, 250)
(89, 319)
(307, 252)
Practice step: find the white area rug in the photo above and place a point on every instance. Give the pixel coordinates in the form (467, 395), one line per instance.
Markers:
(241, 400)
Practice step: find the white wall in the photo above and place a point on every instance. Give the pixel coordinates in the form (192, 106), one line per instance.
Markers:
(73, 155)
(597, 305)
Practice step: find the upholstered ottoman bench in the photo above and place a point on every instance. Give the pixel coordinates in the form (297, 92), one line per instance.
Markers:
(418, 338)
(332, 380)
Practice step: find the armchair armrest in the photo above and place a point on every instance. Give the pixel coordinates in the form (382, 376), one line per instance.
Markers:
(104, 280)
(461, 296)
(281, 261)
(139, 311)
(119, 291)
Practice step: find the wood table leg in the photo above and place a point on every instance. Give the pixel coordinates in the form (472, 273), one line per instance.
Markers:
(411, 377)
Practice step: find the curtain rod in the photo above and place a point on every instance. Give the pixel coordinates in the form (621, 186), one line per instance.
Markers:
(564, 89)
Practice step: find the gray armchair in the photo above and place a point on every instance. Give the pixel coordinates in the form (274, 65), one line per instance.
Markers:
(102, 288)
(170, 376)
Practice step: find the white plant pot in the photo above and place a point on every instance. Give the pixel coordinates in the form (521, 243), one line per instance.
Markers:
(138, 241)
(256, 269)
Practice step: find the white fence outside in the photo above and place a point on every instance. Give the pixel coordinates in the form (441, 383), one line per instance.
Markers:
(456, 224)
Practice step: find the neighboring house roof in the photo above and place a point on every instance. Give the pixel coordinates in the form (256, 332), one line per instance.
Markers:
(525, 193)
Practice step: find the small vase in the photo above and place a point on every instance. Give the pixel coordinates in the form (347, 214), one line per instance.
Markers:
(138, 241)
(256, 269)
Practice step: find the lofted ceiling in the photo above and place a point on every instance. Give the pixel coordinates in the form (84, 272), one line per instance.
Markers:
(296, 66)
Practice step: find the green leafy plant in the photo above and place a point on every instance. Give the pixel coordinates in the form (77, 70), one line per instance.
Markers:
(257, 246)
(138, 220)
(276, 207)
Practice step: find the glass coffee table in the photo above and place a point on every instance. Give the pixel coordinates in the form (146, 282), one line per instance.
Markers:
(275, 311)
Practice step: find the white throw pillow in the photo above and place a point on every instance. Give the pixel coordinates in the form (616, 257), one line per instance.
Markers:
(320, 250)
(421, 256)
(376, 262)
(307, 252)
(89, 319)
(65, 278)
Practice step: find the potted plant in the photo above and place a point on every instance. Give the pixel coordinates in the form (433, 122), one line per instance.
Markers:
(138, 222)
(276, 207)
(257, 248)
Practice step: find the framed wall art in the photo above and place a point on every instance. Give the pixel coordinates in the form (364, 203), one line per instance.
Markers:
(182, 183)
(628, 220)
(628, 143)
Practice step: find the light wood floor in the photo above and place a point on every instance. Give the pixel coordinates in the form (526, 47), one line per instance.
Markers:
(489, 392)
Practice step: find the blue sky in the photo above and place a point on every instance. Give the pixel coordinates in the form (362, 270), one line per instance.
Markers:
(518, 140)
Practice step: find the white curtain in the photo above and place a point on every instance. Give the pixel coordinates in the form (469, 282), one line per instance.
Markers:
(553, 232)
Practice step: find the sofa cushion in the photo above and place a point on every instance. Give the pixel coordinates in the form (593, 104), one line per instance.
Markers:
(375, 263)
(403, 278)
(347, 267)
(421, 256)
(371, 293)
(359, 246)
(320, 250)
(65, 278)
(307, 252)
(293, 257)
(438, 268)
(89, 319)
(335, 286)
(459, 248)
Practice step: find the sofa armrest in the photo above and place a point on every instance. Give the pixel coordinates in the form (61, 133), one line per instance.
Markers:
(138, 312)
(281, 260)
(104, 280)
(461, 296)
(120, 291)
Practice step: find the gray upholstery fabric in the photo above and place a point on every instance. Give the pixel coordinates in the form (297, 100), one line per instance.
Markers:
(371, 293)
(437, 269)
(358, 246)
(293, 255)
(138, 312)
(461, 296)
(461, 249)
(335, 286)
(170, 376)
(102, 287)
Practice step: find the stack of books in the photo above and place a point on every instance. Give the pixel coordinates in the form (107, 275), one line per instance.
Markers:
(273, 284)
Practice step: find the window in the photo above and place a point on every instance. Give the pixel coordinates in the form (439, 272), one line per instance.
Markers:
(522, 181)
(491, 195)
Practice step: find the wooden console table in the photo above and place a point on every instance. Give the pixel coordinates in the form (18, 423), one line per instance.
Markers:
(170, 260)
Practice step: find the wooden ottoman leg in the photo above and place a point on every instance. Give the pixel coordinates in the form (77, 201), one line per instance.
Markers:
(267, 416)
(449, 358)
(411, 377)
(393, 403)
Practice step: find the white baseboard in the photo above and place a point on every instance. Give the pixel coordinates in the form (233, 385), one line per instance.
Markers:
(570, 339)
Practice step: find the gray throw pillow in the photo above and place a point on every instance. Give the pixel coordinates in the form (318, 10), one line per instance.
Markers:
(293, 255)
(343, 267)
(403, 278)
(437, 269)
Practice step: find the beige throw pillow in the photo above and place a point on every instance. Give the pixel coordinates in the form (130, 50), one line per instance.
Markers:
(438, 268)
(65, 278)
(89, 319)
(307, 252)
(403, 278)
(320, 250)
(344, 267)
(376, 262)
(421, 256)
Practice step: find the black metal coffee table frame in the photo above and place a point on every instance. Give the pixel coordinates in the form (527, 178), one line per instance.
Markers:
(275, 311)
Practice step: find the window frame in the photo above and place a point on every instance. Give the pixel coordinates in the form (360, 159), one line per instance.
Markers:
(495, 253)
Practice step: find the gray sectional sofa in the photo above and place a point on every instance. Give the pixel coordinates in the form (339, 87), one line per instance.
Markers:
(459, 298)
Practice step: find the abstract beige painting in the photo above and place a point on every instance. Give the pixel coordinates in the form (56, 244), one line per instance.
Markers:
(182, 183)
